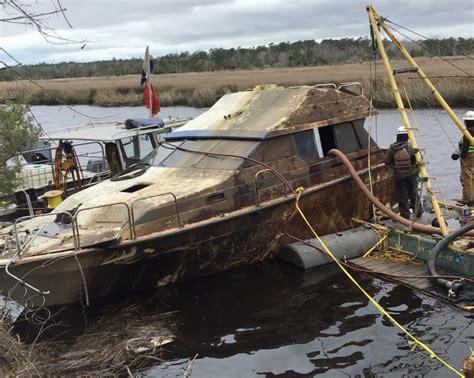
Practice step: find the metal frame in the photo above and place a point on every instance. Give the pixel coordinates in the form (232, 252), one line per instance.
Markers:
(129, 213)
(157, 195)
(19, 251)
(351, 84)
(255, 183)
(74, 233)
(326, 85)
(51, 164)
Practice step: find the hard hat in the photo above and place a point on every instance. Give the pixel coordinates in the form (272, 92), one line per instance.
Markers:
(469, 116)
(401, 130)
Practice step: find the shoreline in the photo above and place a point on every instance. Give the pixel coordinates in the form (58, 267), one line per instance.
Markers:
(203, 89)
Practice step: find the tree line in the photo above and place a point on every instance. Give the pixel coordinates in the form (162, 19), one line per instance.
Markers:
(284, 54)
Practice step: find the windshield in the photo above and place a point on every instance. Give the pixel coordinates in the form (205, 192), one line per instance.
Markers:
(166, 157)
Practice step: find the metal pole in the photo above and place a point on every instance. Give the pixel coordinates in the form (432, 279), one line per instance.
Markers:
(28, 201)
(406, 122)
(460, 125)
(148, 79)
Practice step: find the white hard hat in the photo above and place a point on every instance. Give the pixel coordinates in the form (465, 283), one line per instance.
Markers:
(469, 116)
(401, 130)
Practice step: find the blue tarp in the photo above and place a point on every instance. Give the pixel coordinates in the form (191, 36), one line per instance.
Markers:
(144, 122)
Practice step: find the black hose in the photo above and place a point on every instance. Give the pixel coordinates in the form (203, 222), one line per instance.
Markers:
(453, 287)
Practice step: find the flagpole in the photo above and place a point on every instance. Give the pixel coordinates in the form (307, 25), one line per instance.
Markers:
(150, 95)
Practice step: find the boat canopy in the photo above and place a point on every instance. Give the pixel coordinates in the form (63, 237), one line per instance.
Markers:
(271, 110)
(106, 131)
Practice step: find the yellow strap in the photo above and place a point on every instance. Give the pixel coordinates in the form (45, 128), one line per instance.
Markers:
(375, 246)
(374, 302)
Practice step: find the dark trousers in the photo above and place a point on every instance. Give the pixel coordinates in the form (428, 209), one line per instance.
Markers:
(407, 195)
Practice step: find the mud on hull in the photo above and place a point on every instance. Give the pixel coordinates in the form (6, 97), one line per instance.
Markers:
(218, 244)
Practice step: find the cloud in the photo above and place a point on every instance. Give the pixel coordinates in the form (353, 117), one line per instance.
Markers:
(122, 29)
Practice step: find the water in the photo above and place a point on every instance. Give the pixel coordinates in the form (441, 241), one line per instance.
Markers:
(271, 319)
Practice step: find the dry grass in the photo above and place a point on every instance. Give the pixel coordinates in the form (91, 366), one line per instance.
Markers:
(15, 359)
(121, 344)
(202, 89)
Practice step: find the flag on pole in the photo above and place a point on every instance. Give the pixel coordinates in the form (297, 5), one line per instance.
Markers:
(150, 97)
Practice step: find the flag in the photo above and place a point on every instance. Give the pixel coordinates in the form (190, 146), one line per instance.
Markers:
(155, 102)
(149, 93)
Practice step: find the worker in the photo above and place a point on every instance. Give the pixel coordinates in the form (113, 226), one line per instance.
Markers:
(466, 153)
(401, 156)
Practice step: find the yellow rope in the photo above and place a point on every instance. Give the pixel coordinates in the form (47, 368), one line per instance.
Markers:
(415, 341)
(399, 257)
(366, 254)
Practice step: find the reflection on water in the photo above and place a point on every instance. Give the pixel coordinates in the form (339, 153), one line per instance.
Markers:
(273, 320)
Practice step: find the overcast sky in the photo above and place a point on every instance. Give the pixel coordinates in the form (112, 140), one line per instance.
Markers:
(122, 29)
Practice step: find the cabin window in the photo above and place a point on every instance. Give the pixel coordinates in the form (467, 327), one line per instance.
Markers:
(346, 137)
(305, 146)
(136, 148)
(230, 147)
(273, 149)
(362, 133)
(183, 159)
(326, 136)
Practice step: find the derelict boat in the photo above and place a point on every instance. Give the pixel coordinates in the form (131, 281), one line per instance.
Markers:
(181, 213)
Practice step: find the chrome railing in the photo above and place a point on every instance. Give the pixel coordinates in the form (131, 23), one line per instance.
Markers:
(157, 195)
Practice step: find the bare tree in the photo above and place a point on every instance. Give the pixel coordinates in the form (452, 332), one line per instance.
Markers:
(18, 12)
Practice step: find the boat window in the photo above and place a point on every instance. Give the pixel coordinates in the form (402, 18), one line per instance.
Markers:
(273, 149)
(305, 146)
(184, 159)
(362, 133)
(159, 154)
(136, 148)
(230, 147)
(346, 137)
(326, 137)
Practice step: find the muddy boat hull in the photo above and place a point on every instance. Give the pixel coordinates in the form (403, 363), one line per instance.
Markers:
(218, 244)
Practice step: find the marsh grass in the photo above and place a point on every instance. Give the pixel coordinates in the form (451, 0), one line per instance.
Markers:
(202, 89)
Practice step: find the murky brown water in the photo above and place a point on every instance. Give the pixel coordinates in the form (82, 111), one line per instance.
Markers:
(271, 319)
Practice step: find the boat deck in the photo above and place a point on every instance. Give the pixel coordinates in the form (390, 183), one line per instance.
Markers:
(412, 268)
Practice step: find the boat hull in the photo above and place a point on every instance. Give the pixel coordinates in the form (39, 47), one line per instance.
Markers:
(217, 244)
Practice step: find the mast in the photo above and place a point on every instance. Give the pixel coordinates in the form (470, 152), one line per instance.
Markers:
(373, 17)
(460, 125)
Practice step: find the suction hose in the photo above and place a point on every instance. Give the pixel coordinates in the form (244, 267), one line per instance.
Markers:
(453, 286)
(380, 205)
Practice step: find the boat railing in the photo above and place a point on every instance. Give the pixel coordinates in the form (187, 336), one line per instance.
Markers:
(129, 216)
(44, 172)
(326, 85)
(175, 200)
(255, 184)
(342, 86)
(21, 248)
(352, 84)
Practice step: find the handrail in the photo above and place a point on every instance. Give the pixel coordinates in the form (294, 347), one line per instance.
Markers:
(18, 220)
(28, 201)
(49, 163)
(130, 218)
(350, 84)
(255, 184)
(323, 85)
(158, 195)
(19, 251)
